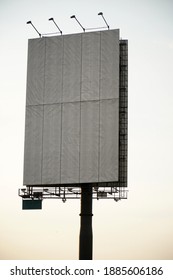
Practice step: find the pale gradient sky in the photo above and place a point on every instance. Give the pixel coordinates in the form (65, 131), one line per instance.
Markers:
(140, 227)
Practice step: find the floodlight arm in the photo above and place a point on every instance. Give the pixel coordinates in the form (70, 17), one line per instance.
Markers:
(101, 14)
(78, 22)
(52, 19)
(30, 22)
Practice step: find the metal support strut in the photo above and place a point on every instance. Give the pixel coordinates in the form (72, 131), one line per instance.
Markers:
(86, 236)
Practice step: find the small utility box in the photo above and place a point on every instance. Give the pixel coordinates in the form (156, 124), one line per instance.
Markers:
(32, 204)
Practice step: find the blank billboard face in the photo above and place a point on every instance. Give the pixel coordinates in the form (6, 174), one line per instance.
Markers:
(72, 109)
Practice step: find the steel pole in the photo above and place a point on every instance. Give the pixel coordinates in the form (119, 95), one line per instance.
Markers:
(86, 236)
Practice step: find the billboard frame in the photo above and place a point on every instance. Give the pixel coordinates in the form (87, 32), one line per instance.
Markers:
(116, 190)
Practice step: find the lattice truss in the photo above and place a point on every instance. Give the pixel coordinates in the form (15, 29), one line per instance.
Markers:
(64, 193)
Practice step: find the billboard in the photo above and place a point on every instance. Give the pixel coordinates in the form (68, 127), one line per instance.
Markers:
(72, 109)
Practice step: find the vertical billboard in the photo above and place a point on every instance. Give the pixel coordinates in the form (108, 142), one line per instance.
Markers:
(72, 109)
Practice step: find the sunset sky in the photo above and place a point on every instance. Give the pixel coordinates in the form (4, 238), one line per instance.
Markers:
(140, 227)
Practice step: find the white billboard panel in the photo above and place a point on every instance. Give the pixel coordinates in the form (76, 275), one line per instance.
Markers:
(33, 145)
(109, 73)
(35, 76)
(109, 136)
(89, 141)
(72, 109)
(90, 66)
(51, 144)
(70, 142)
(53, 70)
(71, 68)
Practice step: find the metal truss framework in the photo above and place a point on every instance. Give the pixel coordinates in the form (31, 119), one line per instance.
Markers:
(110, 190)
(64, 193)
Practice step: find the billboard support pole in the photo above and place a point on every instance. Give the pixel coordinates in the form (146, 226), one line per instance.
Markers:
(86, 238)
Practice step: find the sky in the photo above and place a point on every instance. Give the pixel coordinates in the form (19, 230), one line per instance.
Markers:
(140, 227)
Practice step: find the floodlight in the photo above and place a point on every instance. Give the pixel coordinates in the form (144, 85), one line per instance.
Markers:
(52, 19)
(73, 16)
(101, 14)
(30, 22)
(38, 194)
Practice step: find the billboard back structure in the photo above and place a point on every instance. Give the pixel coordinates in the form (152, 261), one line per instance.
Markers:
(74, 130)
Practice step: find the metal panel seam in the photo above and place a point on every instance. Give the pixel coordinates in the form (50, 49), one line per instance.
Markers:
(62, 107)
(80, 108)
(99, 115)
(43, 110)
